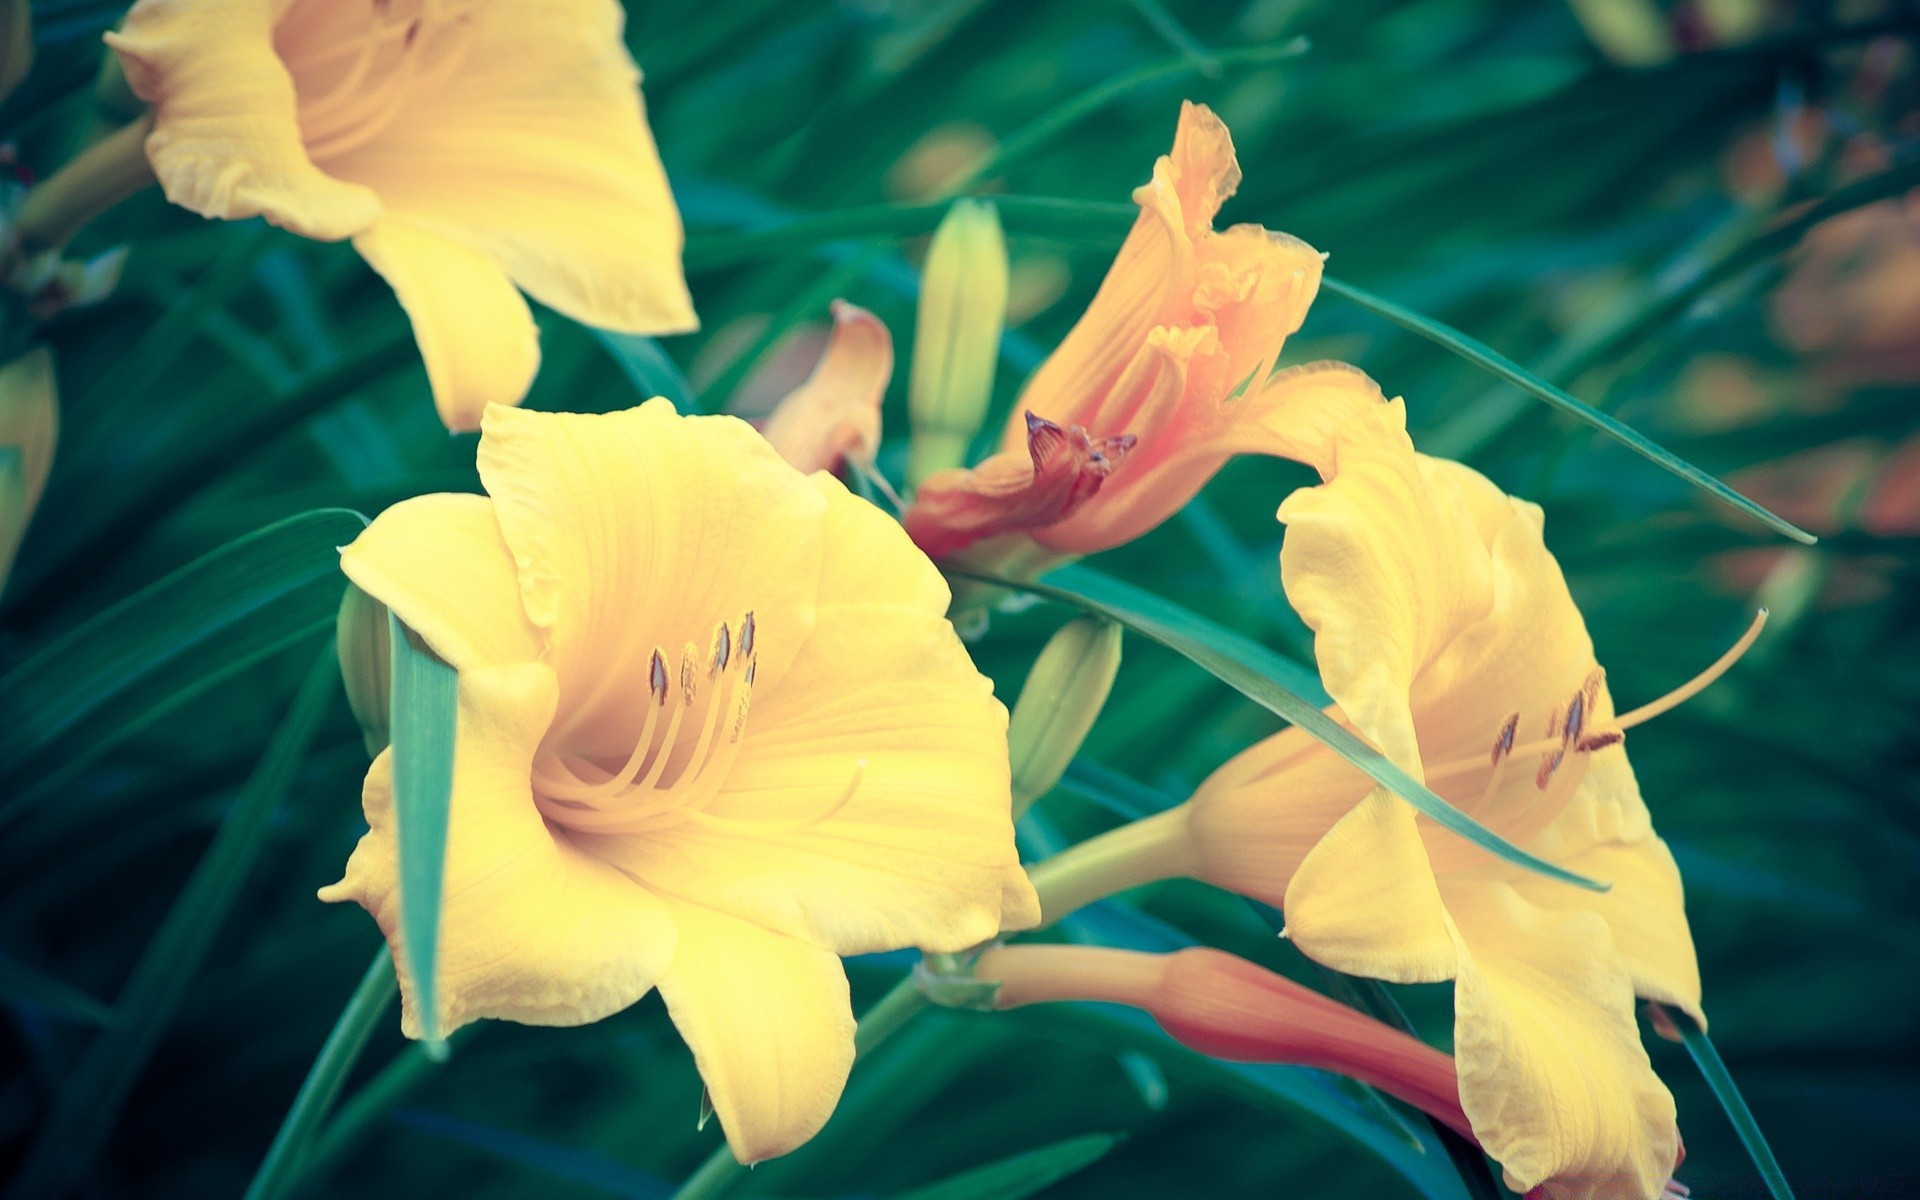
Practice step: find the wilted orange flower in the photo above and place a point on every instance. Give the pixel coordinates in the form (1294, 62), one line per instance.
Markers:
(1161, 381)
(466, 147)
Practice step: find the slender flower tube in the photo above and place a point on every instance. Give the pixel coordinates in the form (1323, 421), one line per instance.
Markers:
(1446, 637)
(468, 147)
(1162, 380)
(713, 733)
(1226, 1007)
(834, 417)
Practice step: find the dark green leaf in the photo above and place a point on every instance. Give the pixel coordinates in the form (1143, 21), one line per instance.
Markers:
(89, 1099)
(287, 1156)
(80, 695)
(1714, 1070)
(649, 368)
(1023, 1174)
(21, 984)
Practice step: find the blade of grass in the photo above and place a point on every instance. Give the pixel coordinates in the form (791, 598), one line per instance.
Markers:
(21, 984)
(1275, 684)
(1713, 1069)
(285, 1158)
(1022, 1175)
(1043, 129)
(1485, 356)
(1037, 216)
(84, 692)
(425, 712)
(649, 368)
(84, 1110)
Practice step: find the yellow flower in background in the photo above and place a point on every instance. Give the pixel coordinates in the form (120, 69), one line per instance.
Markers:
(467, 148)
(1161, 381)
(714, 732)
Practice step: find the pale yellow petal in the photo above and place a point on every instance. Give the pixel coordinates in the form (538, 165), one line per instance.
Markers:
(440, 564)
(835, 414)
(1605, 833)
(770, 1024)
(531, 928)
(475, 333)
(535, 151)
(869, 808)
(1364, 900)
(642, 529)
(1553, 1075)
(226, 140)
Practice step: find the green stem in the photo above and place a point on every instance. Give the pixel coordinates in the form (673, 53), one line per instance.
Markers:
(1714, 1070)
(281, 1168)
(1141, 852)
(881, 1022)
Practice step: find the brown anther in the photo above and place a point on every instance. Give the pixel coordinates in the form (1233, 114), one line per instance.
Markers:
(722, 650)
(1576, 718)
(751, 665)
(657, 676)
(746, 635)
(1503, 745)
(1601, 740)
(1549, 763)
(687, 657)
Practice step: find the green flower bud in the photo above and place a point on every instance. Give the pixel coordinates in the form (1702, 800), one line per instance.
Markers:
(956, 342)
(366, 664)
(1064, 693)
(29, 426)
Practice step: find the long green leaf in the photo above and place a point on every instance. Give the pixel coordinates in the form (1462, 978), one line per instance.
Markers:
(649, 368)
(1274, 683)
(1483, 355)
(424, 714)
(285, 1158)
(22, 984)
(1713, 1069)
(1022, 1175)
(1097, 222)
(82, 694)
(90, 1097)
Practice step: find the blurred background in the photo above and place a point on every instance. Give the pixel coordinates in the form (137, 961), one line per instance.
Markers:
(1698, 215)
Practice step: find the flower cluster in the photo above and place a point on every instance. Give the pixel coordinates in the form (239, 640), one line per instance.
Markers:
(714, 727)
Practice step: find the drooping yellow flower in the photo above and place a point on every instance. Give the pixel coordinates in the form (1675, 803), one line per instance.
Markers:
(713, 732)
(1160, 382)
(1446, 636)
(466, 146)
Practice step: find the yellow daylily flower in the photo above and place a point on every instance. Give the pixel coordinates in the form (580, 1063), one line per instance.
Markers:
(1162, 380)
(468, 147)
(621, 819)
(1446, 637)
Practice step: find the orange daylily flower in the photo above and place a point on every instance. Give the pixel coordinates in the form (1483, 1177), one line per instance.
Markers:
(468, 149)
(1162, 380)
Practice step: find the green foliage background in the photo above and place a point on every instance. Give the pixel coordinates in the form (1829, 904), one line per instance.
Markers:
(1476, 160)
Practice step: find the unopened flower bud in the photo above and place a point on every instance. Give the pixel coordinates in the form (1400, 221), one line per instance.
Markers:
(1064, 693)
(366, 658)
(29, 426)
(956, 344)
